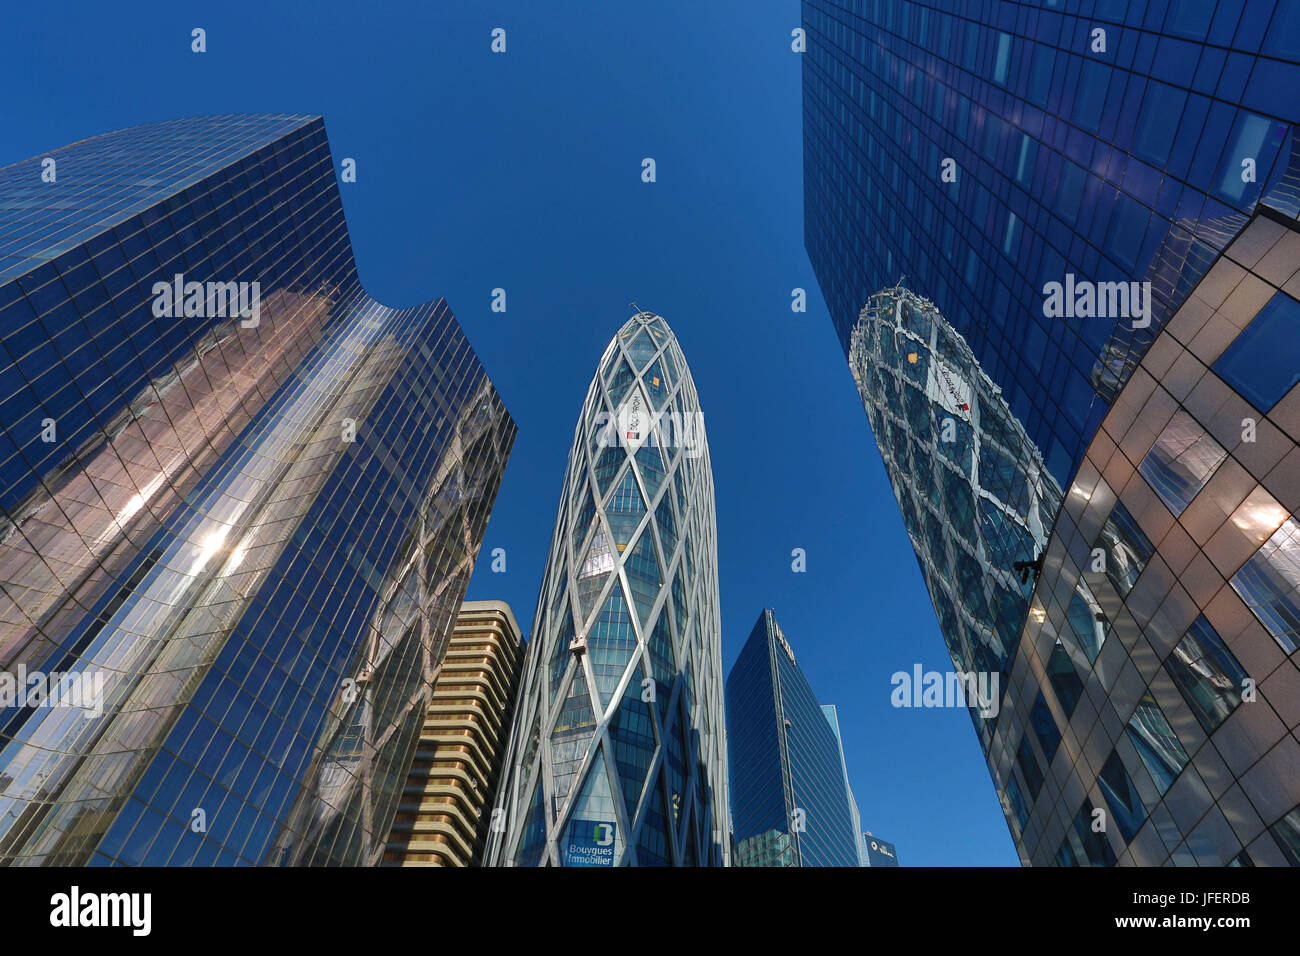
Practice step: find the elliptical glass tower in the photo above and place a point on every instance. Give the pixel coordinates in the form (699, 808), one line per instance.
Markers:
(239, 499)
(618, 754)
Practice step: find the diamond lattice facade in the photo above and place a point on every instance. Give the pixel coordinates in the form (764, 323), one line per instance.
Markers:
(972, 488)
(618, 754)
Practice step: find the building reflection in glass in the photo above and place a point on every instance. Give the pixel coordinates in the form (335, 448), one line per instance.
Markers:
(976, 500)
(257, 531)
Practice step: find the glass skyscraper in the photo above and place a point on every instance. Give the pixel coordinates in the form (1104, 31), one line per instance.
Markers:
(1115, 164)
(1099, 203)
(237, 495)
(618, 754)
(790, 803)
(833, 718)
(876, 852)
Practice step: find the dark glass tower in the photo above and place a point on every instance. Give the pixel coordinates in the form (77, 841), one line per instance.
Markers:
(1120, 165)
(877, 852)
(617, 750)
(232, 485)
(833, 718)
(1140, 160)
(790, 803)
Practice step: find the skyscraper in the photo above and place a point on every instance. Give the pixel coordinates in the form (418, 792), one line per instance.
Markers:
(238, 497)
(876, 852)
(985, 153)
(617, 753)
(444, 815)
(790, 802)
(1182, 524)
(1068, 192)
(833, 718)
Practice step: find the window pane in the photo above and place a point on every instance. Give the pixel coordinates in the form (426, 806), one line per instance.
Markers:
(1156, 743)
(1017, 801)
(1049, 735)
(1065, 855)
(1090, 94)
(1287, 833)
(1029, 767)
(1263, 362)
(1181, 462)
(1122, 797)
(1087, 621)
(1127, 549)
(1040, 74)
(1269, 583)
(1207, 674)
(1085, 843)
(1161, 110)
(1065, 679)
(1003, 58)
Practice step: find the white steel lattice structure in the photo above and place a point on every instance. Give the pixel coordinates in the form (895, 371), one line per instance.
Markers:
(617, 754)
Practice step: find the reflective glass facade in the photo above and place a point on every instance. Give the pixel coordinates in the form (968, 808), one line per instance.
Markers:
(984, 152)
(1115, 165)
(1154, 685)
(253, 517)
(618, 753)
(833, 717)
(790, 803)
(1181, 727)
(973, 491)
(876, 852)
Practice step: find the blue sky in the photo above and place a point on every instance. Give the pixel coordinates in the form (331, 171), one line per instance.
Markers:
(522, 171)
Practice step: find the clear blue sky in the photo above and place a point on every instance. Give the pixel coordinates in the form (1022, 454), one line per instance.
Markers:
(523, 171)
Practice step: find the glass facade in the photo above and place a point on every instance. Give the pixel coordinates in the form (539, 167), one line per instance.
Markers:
(1180, 748)
(975, 497)
(617, 752)
(1150, 700)
(1010, 158)
(877, 852)
(790, 803)
(1111, 158)
(235, 491)
(833, 717)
